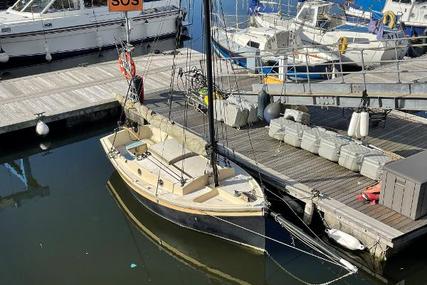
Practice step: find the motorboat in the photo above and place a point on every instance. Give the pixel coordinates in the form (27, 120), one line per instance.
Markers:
(324, 23)
(272, 51)
(56, 28)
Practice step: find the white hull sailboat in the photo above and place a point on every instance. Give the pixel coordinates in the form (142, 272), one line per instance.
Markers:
(260, 49)
(58, 27)
(324, 23)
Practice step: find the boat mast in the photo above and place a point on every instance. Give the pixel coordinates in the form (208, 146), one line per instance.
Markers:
(208, 49)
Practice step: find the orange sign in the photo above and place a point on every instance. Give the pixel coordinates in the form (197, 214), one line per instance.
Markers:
(124, 5)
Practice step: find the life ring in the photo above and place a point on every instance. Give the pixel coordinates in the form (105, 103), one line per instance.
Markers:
(389, 19)
(342, 44)
(127, 65)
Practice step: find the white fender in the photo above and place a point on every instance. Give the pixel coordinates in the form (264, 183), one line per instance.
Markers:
(4, 57)
(364, 124)
(345, 240)
(41, 128)
(48, 57)
(357, 134)
(353, 124)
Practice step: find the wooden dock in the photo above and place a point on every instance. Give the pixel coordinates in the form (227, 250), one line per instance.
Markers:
(77, 91)
(298, 172)
(84, 90)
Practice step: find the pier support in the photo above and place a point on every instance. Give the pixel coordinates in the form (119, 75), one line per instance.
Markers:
(308, 212)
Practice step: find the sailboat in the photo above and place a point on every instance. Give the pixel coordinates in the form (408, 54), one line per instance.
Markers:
(260, 49)
(177, 175)
(324, 23)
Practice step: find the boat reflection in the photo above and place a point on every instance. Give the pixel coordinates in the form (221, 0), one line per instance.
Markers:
(218, 258)
(21, 169)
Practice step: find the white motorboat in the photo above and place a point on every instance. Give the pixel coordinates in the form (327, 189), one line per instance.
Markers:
(261, 48)
(49, 28)
(324, 23)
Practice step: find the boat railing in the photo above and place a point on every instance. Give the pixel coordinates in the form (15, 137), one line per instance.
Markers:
(297, 63)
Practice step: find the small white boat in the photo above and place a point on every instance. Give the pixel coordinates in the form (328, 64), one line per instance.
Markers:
(45, 29)
(260, 49)
(324, 23)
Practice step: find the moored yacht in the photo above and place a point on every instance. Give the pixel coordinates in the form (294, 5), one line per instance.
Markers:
(272, 51)
(35, 28)
(324, 23)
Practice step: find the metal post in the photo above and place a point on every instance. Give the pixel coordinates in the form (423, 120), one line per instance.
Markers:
(397, 62)
(293, 61)
(363, 69)
(237, 19)
(127, 29)
(341, 67)
(208, 50)
(307, 70)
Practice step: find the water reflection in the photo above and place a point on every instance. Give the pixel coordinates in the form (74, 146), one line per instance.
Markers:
(21, 169)
(219, 259)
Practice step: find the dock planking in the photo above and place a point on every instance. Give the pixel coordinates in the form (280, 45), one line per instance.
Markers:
(313, 172)
(87, 89)
(80, 90)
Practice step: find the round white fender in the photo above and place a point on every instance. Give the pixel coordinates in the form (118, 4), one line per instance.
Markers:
(353, 124)
(345, 240)
(364, 124)
(41, 128)
(48, 57)
(4, 57)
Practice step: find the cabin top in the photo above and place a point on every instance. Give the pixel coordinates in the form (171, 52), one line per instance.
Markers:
(321, 14)
(52, 6)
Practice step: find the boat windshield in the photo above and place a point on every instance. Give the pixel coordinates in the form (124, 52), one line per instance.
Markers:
(19, 5)
(37, 6)
(330, 16)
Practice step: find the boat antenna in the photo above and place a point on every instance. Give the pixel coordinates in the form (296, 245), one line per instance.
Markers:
(212, 146)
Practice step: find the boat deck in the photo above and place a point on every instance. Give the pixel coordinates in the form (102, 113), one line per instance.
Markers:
(306, 171)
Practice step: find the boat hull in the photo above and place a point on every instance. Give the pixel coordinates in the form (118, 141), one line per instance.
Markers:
(60, 42)
(269, 68)
(231, 228)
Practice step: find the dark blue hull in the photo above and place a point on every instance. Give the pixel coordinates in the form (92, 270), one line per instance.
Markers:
(247, 231)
